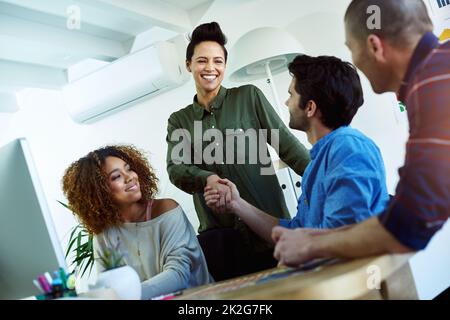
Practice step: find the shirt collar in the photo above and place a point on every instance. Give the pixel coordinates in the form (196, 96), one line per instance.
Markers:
(216, 103)
(323, 141)
(426, 44)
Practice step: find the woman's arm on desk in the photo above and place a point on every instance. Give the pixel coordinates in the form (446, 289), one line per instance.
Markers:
(368, 238)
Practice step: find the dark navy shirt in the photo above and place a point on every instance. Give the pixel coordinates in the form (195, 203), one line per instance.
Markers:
(344, 183)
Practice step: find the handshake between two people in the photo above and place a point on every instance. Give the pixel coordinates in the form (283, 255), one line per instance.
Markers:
(222, 196)
(292, 246)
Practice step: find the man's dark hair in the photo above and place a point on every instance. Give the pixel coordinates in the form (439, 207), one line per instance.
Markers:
(400, 20)
(206, 32)
(332, 84)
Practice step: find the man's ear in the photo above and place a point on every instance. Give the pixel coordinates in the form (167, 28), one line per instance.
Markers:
(188, 65)
(311, 109)
(375, 47)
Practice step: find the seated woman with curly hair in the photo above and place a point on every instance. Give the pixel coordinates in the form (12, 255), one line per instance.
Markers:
(112, 192)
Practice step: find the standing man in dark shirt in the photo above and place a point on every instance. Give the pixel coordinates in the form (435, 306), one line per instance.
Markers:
(401, 56)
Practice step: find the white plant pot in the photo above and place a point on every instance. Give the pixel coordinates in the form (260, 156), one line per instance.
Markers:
(124, 280)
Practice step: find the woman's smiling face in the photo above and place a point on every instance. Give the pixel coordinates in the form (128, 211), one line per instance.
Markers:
(123, 181)
(207, 66)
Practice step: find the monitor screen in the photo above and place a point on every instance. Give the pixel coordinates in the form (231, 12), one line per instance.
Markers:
(29, 245)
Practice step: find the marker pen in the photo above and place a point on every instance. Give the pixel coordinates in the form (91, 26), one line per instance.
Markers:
(37, 285)
(168, 296)
(44, 284)
(63, 276)
(48, 277)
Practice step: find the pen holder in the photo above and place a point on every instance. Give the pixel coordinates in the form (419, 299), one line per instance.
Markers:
(60, 286)
(57, 294)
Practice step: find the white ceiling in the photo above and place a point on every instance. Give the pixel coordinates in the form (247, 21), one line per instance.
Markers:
(38, 42)
(186, 4)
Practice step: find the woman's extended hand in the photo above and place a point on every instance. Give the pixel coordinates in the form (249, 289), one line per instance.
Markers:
(221, 200)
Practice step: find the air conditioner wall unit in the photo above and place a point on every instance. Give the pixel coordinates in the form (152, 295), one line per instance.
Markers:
(120, 84)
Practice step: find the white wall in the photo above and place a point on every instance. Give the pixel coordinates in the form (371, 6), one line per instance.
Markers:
(430, 267)
(56, 140)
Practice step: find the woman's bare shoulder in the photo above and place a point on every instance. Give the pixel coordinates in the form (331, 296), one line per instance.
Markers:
(161, 206)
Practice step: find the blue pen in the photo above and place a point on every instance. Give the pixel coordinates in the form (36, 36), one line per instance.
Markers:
(57, 288)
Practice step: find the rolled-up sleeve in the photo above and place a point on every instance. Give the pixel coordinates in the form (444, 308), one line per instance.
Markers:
(355, 185)
(290, 223)
(182, 173)
(289, 148)
(421, 204)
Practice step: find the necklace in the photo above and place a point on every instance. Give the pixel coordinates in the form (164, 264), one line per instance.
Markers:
(148, 216)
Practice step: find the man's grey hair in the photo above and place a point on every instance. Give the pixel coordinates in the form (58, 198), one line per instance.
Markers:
(402, 21)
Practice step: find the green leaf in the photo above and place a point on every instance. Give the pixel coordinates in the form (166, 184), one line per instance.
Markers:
(90, 262)
(111, 258)
(71, 243)
(65, 205)
(81, 245)
(81, 257)
(78, 249)
(72, 238)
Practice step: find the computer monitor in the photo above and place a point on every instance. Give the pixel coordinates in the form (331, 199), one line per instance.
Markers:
(29, 245)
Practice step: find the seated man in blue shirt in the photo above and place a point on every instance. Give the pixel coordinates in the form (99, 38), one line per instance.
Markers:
(345, 181)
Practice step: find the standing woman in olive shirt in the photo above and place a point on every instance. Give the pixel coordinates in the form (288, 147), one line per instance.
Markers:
(233, 114)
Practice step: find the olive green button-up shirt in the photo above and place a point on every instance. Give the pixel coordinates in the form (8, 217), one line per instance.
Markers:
(226, 141)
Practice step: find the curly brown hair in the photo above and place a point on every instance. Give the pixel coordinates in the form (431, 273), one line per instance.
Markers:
(86, 186)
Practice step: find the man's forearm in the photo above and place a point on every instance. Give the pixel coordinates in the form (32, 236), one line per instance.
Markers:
(360, 240)
(259, 221)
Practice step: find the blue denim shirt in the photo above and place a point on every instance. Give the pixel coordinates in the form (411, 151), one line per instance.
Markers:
(344, 183)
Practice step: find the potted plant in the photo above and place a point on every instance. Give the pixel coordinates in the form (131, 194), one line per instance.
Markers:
(80, 245)
(118, 276)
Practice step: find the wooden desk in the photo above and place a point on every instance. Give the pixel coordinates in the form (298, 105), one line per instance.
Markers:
(340, 280)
